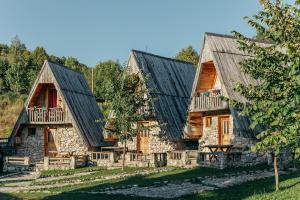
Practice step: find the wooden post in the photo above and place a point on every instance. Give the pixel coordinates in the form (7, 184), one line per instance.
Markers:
(46, 163)
(72, 162)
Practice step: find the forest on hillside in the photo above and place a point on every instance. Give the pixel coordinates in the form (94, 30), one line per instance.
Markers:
(19, 67)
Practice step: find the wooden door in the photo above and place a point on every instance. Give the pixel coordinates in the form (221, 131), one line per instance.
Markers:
(143, 140)
(224, 127)
(49, 143)
(52, 98)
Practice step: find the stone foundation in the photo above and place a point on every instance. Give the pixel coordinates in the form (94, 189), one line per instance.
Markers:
(211, 135)
(156, 143)
(66, 140)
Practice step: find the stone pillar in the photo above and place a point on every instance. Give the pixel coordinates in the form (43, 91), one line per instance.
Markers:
(72, 162)
(26, 161)
(46, 163)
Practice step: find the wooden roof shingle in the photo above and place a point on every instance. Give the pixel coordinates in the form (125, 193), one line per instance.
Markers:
(169, 82)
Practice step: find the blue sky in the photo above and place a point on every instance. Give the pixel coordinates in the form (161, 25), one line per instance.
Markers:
(97, 30)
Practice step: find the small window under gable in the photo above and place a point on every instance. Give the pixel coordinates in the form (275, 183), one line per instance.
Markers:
(31, 132)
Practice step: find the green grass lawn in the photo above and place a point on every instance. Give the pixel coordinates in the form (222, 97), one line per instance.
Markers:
(260, 189)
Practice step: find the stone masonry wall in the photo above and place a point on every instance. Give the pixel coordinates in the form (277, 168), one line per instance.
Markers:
(66, 140)
(32, 146)
(156, 143)
(210, 135)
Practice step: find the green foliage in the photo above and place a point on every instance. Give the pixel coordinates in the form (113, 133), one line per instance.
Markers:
(274, 104)
(188, 54)
(125, 94)
(104, 72)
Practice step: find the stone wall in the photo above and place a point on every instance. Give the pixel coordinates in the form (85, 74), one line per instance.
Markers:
(66, 140)
(156, 143)
(32, 146)
(210, 135)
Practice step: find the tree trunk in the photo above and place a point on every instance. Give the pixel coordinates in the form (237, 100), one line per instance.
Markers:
(124, 152)
(276, 173)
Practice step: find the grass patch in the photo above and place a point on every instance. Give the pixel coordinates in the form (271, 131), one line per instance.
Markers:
(259, 189)
(56, 173)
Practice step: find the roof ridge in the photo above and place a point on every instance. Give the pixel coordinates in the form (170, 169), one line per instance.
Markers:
(61, 65)
(233, 37)
(162, 57)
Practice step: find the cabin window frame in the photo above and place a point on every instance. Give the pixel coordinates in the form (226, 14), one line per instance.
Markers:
(31, 132)
(208, 122)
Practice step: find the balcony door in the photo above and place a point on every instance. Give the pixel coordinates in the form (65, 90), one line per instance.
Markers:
(223, 130)
(143, 140)
(52, 98)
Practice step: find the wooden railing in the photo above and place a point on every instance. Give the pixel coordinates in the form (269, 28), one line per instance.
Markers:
(17, 160)
(208, 101)
(138, 157)
(102, 155)
(145, 110)
(45, 115)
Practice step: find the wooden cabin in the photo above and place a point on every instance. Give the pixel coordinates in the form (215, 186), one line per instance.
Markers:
(211, 120)
(169, 82)
(59, 118)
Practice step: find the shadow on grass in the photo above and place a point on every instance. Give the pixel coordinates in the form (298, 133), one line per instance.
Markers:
(4, 196)
(237, 192)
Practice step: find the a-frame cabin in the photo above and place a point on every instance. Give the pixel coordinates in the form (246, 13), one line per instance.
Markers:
(60, 116)
(210, 118)
(169, 84)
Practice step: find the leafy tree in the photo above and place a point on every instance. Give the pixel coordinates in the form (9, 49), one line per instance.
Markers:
(126, 95)
(73, 63)
(18, 60)
(102, 77)
(273, 104)
(188, 54)
(3, 68)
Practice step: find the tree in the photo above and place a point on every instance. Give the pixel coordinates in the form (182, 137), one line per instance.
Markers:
(188, 54)
(3, 68)
(274, 103)
(18, 59)
(73, 63)
(102, 77)
(126, 94)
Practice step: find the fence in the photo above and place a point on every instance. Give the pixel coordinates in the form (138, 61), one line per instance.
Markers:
(16, 163)
(64, 163)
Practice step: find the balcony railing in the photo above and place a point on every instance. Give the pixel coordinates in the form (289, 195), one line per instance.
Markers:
(46, 115)
(208, 101)
(145, 111)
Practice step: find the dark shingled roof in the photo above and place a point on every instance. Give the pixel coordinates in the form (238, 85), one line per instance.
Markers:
(169, 82)
(78, 98)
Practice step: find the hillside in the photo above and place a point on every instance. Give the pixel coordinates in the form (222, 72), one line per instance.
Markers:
(10, 107)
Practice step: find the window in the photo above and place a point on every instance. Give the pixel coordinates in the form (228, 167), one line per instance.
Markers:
(31, 132)
(208, 122)
(225, 126)
(145, 133)
(50, 137)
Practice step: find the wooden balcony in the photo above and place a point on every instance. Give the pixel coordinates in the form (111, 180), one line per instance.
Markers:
(43, 115)
(145, 111)
(208, 101)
